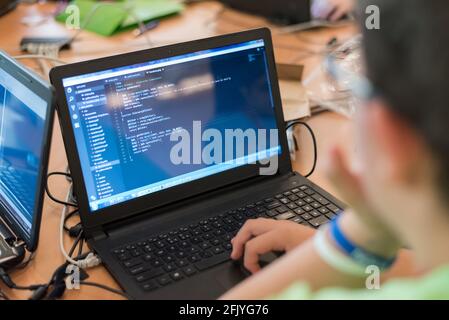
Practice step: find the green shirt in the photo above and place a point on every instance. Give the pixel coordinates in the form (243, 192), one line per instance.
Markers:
(433, 286)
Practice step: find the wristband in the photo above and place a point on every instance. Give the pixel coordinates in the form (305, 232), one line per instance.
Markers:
(358, 254)
(334, 257)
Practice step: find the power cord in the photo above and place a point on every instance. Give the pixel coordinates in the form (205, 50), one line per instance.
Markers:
(50, 195)
(101, 286)
(312, 134)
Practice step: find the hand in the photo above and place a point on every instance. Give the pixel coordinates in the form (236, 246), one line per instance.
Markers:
(361, 221)
(331, 10)
(261, 236)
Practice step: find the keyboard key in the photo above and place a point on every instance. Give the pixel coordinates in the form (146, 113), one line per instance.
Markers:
(316, 205)
(170, 267)
(176, 275)
(297, 220)
(217, 250)
(333, 208)
(182, 263)
(272, 213)
(156, 263)
(160, 244)
(331, 216)
(309, 200)
(212, 261)
(301, 203)
(189, 271)
(282, 209)
(296, 190)
(181, 254)
(204, 245)
(168, 259)
(132, 263)
(307, 208)
(195, 258)
(285, 216)
(154, 272)
(164, 280)
(284, 200)
(292, 205)
(319, 221)
(323, 210)
(273, 205)
(320, 199)
(138, 269)
(149, 286)
(315, 213)
(148, 257)
(293, 198)
(306, 216)
(124, 257)
(299, 211)
(309, 191)
(288, 193)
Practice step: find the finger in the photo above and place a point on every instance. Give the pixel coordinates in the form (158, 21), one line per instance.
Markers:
(330, 13)
(251, 228)
(256, 247)
(337, 14)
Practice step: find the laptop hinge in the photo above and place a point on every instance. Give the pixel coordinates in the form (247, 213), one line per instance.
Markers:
(97, 234)
(9, 235)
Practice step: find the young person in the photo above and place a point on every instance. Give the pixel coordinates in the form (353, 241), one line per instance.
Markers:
(399, 198)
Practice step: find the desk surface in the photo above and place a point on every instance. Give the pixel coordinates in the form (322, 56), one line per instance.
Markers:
(197, 21)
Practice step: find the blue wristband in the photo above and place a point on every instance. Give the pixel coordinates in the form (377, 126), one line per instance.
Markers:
(358, 254)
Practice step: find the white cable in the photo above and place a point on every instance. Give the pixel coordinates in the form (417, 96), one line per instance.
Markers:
(91, 260)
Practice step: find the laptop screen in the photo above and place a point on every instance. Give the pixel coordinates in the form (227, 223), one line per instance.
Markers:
(22, 131)
(143, 128)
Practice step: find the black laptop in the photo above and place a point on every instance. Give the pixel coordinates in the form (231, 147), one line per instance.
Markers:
(26, 122)
(159, 217)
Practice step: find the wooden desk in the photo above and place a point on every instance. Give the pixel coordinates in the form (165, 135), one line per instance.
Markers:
(199, 20)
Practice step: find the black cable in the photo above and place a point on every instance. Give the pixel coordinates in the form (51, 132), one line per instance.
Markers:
(75, 244)
(312, 134)
(102, 286)
(65, 203)
(80, 247)
(67, 217)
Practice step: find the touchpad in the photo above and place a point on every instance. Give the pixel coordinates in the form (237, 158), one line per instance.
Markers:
(229, 275)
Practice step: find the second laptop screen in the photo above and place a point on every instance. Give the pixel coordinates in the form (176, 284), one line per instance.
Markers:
(123, 119)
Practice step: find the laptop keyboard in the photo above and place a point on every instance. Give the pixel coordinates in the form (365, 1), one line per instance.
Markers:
(165, 258)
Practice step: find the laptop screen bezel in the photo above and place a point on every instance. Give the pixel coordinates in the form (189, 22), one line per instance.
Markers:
(156, 200)
(45, 91)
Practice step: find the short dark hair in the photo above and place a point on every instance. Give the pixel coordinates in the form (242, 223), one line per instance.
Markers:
(408, 63)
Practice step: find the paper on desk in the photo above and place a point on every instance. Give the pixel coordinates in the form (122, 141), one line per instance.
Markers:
(295, 102)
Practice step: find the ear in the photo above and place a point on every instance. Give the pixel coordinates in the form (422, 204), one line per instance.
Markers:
(399, 146)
